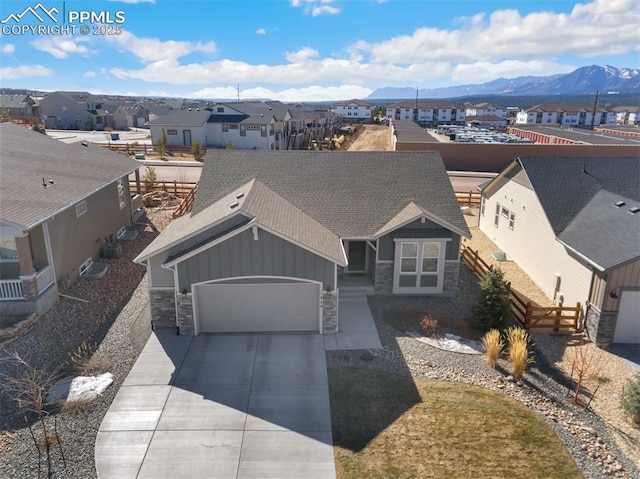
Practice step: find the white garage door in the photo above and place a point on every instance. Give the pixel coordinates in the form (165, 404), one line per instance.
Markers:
(226, 308)
(628, 324)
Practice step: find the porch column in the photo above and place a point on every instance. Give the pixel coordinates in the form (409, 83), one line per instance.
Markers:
(24, 255)
(138, 190)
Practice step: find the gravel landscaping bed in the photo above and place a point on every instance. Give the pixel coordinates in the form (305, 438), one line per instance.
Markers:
(584, 434)
(116, 321)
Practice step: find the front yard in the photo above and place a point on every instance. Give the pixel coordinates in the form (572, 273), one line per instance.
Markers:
(387, 426)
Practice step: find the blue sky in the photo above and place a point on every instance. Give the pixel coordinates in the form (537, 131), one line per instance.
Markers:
(305, 50)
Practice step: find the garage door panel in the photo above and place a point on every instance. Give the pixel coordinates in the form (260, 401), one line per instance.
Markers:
(258, 307)
(628, 323)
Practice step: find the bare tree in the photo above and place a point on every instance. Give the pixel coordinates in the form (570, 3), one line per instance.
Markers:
(28, 386)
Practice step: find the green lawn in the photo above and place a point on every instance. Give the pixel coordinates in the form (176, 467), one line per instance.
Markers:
(387, 426)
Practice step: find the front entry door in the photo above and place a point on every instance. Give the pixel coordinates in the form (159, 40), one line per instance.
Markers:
(357, 254)
(186, 134)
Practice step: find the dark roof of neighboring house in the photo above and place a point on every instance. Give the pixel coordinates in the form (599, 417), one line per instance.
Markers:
(408, 131)
(566, 107)
(26, 157)
(15, 101)
(218, 118)
(353, 194)
(183, 118)
(78, 96)
(578, 197)
(158, 109)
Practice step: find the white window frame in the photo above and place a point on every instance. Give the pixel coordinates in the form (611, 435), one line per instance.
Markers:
(512, 220)
(483, 204)
(439, 273)
(496, 219)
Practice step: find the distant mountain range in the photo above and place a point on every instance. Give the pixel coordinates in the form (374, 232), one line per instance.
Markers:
(585, 80)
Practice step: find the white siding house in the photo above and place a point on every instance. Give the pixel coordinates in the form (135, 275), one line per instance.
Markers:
(357, 110)
(566, 114)
(427, 112)
(572, 225)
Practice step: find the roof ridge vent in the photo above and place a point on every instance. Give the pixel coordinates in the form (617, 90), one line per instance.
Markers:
(239, 195)
(235, 204)
(634, 210)
(619, 204)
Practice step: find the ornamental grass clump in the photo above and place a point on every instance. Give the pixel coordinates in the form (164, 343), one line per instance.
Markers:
(518, 340)
(493, 346)
(631, 399)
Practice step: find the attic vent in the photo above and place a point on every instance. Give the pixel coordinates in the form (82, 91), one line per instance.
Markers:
(235, 204)
(620, 204)
(634, 210)
(239, 195)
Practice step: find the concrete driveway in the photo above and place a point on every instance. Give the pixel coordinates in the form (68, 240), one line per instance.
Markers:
(221, 406)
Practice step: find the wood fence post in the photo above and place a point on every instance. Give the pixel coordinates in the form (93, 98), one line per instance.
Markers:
(469, 197)
(527, 316)
(175, 187)
(576, 318)
(556, 322)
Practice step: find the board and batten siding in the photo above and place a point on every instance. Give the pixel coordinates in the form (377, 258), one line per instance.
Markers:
(161, 277)
(416, 229)
(532, 243)
(625, 277)
(241, 255)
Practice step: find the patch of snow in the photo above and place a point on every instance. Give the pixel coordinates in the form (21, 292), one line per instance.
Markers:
(451, 342)
(80, 388)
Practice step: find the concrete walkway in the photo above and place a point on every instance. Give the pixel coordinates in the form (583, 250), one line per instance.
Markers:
(223, 406)
(356, 328)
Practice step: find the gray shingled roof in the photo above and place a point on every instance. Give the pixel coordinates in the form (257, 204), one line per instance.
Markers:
(183, 118)
(606, 234)
(263, 206)
(565, 185)
(77, 171)
(14, 101)
(353, 194)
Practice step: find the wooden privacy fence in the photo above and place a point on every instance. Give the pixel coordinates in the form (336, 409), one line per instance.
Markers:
(471, 198)
(187, 203)
(529, 316)
(146, 149)
(181, 189)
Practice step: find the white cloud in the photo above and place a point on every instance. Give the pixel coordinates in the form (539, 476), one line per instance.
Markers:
(603, 27)
(301, 55)
(311, 93)
(89, 74)
(316, 7)
(261, 31)
(155, 50)
(8, 48)
(24, 71)
(61, 47)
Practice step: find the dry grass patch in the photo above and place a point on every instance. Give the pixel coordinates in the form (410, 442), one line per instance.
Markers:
(389, 426)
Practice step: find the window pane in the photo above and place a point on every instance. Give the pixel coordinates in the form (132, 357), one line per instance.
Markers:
(428, 281)
(431, 250)
(407, 281)
(8, 249)
(429, 265)
(408, 265)
(409, 250)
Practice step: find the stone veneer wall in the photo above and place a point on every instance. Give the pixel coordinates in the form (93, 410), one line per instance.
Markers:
(29, 287)
(600, 326)
(383, 281)
(185, 315)
(329, 312)
(163, 308)
(451, 278)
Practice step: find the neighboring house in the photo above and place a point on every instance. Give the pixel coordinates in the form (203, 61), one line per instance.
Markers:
(355, 110)
(485, 109)
(21, 107)
(66, 110)
(136, 115)
(427, 113)
(113, 114)
(58, 202)
(627, 115)
(573, 226)
(566, 114)
(157, 109)
(273, 236)
(216, 126)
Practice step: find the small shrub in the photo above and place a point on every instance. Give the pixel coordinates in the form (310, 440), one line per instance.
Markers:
(492, 311)
(631, 399)
(80, 358)
(586, 364)
(428, 325)
(493, 345)
(518, 340)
